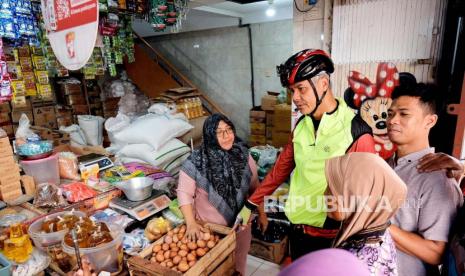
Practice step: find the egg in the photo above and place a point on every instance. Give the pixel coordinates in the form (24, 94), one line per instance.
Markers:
(210, 244)
(191, 257)
(176, 260)
(192, 245)
(160, 258)
(217, 238)
(175, 249)
(156, 248)
(192, 263)
(175, 230)
(172, 245)
(168, 239)
(200, 252)
(173, 254)
(169, 264)
(165, 247)
(175, 238)
(183, 266)
(182, 253)
(206, 236)
(163, 264)
(184, 247)
(167, 254)
(153, 260)
(201, 243)
(180, 236)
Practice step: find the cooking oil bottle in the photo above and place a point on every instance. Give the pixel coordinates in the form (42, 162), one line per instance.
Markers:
(18, 247)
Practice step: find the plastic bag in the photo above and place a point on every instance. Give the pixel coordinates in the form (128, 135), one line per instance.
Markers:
(78, 191)
(48, 196)
(264, 155)
(68, 164)
(115, 124)
(92, 127)
(78, 138)
(24, 132)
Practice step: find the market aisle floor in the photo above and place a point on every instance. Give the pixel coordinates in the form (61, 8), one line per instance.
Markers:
(259, 267)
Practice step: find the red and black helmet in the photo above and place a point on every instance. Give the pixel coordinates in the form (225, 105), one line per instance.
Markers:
(304, 65)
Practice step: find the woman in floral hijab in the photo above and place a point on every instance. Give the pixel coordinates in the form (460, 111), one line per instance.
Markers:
(215, 181)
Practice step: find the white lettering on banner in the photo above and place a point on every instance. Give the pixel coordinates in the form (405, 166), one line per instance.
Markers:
(85, 8)
(75, 3)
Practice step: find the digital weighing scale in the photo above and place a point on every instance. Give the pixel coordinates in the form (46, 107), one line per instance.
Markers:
(91, 159)
(143, 209)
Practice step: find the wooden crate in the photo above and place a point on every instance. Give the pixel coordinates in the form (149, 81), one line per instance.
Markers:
(218, 261)
(273, 252)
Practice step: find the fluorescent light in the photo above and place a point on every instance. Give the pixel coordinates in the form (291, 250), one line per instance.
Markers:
(270, 12)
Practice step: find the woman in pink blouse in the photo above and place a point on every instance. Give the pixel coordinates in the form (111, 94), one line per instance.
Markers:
(215, 181)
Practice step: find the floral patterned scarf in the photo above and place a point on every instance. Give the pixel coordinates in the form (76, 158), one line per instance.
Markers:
(224, 175)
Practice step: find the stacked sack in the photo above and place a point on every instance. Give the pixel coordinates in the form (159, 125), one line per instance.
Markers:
(150, 138)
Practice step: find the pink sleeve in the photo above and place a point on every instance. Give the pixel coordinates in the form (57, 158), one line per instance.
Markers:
(254, 183)
(186, 189)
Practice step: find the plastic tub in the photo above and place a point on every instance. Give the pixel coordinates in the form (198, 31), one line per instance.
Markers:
(105, 257)
(43, 170)
(44, 240)
(6, 266)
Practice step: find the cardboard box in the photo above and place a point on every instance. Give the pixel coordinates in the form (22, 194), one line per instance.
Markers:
(28, 184)
(257, 112)
(269, 101)
(273, 252)
(257, 128)
(10, 192)
(45, 117)
(80, 109)
(21, 105)
(10, 178)
(282, 117)
(5, 108)
(257, 140)
(16, 115)
(269, 118)
(280, 138)
(5, 118)
(6, 151)
(5, 143)
(64, 121)
(9, 130)
(7, 161)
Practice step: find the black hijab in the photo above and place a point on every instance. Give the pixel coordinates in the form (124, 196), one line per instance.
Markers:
(224, 175)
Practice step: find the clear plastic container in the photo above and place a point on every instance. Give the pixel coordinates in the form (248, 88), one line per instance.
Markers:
(43, 240)
(105, 257)
(5, 265)
(43, 170)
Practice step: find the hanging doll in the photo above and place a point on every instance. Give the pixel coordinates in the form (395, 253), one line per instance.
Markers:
(372, 100)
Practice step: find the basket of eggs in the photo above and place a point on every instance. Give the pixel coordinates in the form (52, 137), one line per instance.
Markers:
(174, 254)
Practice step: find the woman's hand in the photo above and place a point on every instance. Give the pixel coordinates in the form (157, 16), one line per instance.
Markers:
(194, 231)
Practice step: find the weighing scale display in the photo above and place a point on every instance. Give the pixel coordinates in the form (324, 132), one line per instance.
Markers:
(142, 209)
